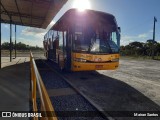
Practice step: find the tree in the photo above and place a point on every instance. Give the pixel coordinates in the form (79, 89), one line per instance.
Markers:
(19, 46)
(5, 46)
(150, 46)
(139, 48)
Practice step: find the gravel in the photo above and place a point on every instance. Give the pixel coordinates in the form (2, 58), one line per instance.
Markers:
(52, 81)
(74, 106)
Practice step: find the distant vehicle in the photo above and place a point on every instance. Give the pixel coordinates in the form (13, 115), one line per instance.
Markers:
(84, 41)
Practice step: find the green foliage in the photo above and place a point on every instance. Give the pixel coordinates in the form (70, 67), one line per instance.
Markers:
(19, 46)
(5, 46)
(141, 49)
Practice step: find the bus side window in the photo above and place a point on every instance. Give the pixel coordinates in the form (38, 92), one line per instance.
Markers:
(57, 43)
(65, 38)
(60, 34)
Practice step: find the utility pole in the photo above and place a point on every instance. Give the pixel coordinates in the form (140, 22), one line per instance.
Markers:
(155, 20)
(10, 39)
(0, 38)
(15, 46)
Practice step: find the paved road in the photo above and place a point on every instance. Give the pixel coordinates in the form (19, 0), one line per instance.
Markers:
(143, 75)
(134, 86)
(14, 86)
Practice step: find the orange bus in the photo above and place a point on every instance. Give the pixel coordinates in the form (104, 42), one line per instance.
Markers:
(84, 41)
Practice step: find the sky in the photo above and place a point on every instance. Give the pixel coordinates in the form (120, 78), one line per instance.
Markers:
(135, 17)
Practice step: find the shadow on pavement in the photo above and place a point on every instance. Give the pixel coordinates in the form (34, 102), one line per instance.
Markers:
(112, 95)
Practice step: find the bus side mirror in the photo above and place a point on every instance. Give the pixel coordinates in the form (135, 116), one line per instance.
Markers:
(119, 29)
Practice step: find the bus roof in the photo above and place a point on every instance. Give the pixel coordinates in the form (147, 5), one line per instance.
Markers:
(93, 16)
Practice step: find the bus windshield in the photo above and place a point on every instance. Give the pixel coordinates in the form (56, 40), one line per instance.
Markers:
(98, 42)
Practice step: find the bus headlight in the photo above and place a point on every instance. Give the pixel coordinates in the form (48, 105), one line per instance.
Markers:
(80, 60)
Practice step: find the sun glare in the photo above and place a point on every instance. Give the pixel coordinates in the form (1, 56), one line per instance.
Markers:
(81, 5)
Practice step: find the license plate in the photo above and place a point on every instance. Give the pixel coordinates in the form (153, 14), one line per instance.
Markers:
(99, 66)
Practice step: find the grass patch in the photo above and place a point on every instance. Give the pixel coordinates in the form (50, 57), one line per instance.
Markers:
(141, 57)
(21, 53)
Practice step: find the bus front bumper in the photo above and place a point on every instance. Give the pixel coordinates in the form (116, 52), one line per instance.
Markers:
(79, 66)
